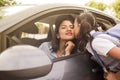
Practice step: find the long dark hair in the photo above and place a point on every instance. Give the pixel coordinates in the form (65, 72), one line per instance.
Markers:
(59, 20)
(87, 23)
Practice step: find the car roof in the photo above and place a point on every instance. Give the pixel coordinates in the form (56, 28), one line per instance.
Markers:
(25, 11)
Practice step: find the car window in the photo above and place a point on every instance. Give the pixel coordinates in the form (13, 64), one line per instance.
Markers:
(41, 24)
(43, 29)
(33, 33)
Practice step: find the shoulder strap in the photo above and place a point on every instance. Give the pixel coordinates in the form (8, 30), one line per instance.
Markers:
(98, 59)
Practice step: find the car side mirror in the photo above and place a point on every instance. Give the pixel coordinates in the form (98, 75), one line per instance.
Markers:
(24, 62)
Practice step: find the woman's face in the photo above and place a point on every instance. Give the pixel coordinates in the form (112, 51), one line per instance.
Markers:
(66, 31)
(76, 28)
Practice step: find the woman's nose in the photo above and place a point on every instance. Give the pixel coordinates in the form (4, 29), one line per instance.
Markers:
(69, 28)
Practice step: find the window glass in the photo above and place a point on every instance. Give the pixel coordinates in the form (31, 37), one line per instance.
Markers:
(43, 29)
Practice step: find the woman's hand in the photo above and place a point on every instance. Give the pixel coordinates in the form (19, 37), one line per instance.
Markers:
(69, 46)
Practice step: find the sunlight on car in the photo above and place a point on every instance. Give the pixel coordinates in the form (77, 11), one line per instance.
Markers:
(42, 27)
(12, 10)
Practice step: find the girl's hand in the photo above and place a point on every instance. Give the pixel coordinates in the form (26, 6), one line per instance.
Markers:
(111, 76)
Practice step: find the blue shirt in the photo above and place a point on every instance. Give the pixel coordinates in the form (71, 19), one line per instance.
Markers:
(114, 31)
(47, 48)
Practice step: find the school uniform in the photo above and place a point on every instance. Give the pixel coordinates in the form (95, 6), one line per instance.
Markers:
(102, 43)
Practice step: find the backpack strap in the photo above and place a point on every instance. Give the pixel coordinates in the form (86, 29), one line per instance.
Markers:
(99, 60)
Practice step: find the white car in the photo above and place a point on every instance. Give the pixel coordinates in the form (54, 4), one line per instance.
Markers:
(38, 21)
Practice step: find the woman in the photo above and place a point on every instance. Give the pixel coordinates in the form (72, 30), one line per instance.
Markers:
(62, 44)
(105, 45)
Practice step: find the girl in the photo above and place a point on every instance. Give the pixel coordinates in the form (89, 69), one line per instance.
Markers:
(106, 46)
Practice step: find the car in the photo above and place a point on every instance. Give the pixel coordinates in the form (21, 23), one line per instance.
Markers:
(39, 20)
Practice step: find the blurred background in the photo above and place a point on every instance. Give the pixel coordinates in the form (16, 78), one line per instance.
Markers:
(110, 7)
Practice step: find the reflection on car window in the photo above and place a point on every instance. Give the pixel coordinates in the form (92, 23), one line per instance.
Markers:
(43, 29)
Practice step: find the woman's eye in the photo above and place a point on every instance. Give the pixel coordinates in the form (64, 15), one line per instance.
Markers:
(63, 27)
(71, 26)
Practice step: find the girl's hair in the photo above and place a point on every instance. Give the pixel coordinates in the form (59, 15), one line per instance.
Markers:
(59, 20)
(87, 23)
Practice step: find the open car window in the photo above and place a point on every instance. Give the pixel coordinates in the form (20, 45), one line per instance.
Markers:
(42, 25)
(43, 29)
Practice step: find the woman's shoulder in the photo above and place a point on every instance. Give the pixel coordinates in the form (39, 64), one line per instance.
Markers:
(45, 45)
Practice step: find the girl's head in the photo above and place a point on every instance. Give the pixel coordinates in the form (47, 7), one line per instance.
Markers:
(83, 24)
(64, 30)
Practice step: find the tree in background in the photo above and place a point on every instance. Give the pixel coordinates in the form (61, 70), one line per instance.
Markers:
(98, 5)
(7, 2)
(116, 8)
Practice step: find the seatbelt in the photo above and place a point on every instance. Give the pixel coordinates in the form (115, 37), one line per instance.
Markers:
(15, 39)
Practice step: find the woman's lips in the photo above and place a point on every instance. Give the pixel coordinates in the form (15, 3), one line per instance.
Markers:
(69, 34)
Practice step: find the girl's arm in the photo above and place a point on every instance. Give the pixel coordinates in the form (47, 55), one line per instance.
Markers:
(114, 52)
